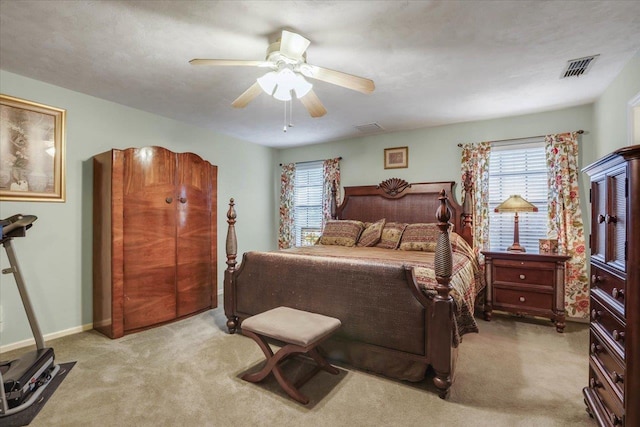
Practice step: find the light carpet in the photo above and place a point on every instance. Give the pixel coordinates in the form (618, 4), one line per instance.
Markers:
(515, 372)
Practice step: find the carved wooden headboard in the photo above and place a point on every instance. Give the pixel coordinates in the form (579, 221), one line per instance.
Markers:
(398, 201)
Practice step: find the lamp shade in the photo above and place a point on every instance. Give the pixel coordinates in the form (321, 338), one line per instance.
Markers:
(516, 203)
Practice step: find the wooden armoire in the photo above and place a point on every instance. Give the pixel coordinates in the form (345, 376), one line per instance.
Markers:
(154, 238)
(613, 392)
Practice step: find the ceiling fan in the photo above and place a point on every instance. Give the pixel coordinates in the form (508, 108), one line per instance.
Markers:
(287, 60)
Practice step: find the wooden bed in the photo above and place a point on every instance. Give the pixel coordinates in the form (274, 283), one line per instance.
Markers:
(390, 324)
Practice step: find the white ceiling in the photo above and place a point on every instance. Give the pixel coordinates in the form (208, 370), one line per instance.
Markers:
(433, 62)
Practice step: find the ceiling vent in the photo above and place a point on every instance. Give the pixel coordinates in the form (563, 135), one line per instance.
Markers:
(578, 67)
(370, 128)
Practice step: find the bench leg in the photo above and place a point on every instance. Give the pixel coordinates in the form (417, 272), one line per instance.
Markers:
(272, 366)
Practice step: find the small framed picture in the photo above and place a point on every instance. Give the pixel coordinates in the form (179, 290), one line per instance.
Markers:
(32, 144)
(397, 157)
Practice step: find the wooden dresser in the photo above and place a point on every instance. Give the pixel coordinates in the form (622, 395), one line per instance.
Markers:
(526, 283)
(154, 238)
(613, 393)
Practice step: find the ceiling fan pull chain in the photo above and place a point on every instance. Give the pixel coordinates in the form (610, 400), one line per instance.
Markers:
(284, 128)
(291, 113)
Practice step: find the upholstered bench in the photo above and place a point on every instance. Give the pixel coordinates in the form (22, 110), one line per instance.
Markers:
(301, 332)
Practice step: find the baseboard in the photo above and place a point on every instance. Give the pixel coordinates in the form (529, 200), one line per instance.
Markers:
(51, 336)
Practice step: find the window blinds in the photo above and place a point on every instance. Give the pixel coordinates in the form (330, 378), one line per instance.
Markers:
(308, 188)
(518, 169)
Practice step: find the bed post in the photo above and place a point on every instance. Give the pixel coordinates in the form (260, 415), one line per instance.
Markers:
(232, 252)
(467, 208)
(443, 353)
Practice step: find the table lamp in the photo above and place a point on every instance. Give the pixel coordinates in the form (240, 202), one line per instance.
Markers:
(516, 204)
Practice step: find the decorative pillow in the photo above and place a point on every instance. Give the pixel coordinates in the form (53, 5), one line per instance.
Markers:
(420, 237)
(391, 234)
(341, 232)
(371, 234)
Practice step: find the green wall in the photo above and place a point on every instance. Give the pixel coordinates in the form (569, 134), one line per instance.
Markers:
(55, 257)
(434, 154)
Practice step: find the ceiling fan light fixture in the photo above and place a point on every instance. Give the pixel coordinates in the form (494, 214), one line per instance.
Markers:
(279, 84)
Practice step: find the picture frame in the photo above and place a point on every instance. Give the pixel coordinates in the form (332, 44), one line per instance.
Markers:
(32, 151)
(396, 157)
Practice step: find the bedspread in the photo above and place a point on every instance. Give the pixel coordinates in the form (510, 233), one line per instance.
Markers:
(466, 281)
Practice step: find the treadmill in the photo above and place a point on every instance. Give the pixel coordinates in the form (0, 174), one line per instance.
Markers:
(24, 379)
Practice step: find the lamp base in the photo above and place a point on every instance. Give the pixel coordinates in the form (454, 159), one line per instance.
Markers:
(516, 248)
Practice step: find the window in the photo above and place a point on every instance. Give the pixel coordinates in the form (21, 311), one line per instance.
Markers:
(308, 188)
(518, 169)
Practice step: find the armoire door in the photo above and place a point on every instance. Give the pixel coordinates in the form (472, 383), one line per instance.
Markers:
(149, 237)
(194, 271)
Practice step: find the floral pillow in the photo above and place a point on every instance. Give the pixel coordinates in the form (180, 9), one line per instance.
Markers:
(420, 237)
(391, 234)
(371, 234)
(341, 232)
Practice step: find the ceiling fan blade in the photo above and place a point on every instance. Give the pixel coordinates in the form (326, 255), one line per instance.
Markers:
(313, 105)
(247, 96)
(338, 78)
(229, 62)
(293, 45)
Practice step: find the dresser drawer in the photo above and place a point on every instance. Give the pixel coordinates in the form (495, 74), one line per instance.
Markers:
(610, 364)
(614, 287)
(610, 324)
(524, 299)
(599, 385)
(533, 273)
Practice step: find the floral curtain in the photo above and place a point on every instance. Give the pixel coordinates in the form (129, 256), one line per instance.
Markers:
(286, 237)
(565, 218)
(331, 174)
(475, 162)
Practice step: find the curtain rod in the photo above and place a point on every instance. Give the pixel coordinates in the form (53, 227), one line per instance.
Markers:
(311, 161)
(528, 137)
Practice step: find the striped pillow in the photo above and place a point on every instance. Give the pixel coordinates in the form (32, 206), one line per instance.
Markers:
(341, 232)
(420, 237)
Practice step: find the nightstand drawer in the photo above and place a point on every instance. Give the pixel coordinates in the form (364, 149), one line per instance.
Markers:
(533, 273)
(524, 299)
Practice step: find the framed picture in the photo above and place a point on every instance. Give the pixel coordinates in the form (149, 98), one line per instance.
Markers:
(32, 149)
(397, 157)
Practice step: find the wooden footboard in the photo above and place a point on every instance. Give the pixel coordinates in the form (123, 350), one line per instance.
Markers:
(386, 317)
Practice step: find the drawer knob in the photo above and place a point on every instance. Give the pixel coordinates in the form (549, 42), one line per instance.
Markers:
(594, 383)
(595, 314)
(616, 377)
(522, 299)
(522, 277)
(595, 279)
(183, 200)
(617, 293)
(618, 335)
(595, 348)
(169, 199)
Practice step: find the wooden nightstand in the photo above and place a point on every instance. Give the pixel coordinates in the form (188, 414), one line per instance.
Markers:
(526, 283)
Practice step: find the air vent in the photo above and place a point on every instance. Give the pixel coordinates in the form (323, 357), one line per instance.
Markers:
(578, 67)
(370, 128)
